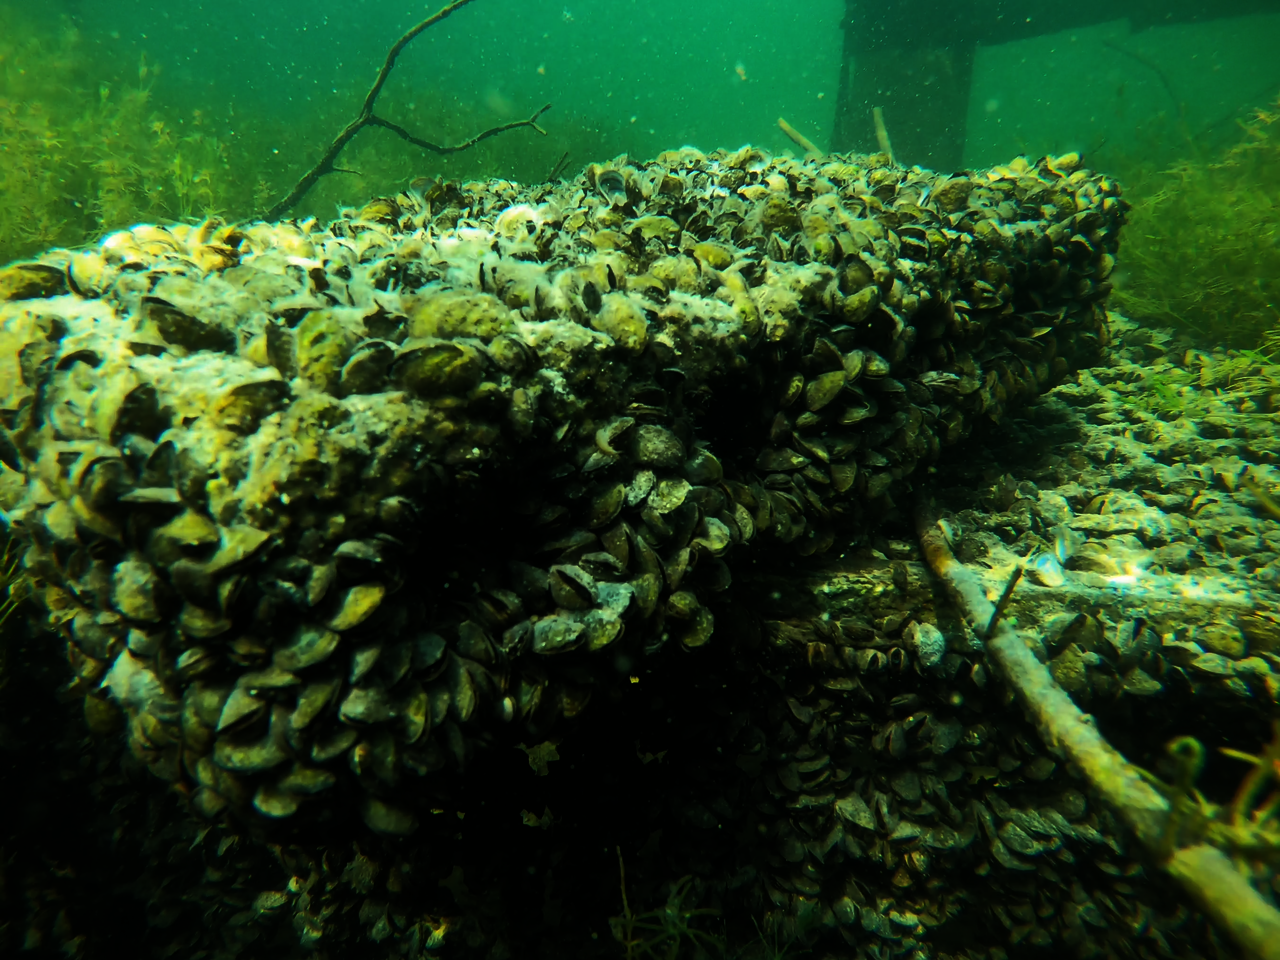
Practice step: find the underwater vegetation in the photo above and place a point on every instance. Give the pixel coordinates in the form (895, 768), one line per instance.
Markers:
(677, 928)
(14, 588)
(1208, 383)
(1249, 826)
(664, 931)
(88, 145)
(80, 154)
(1202, 251)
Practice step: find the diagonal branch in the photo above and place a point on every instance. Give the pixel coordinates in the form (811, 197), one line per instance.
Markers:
(1204, 871)
(365, 118)
(406, 38)
(558, 167)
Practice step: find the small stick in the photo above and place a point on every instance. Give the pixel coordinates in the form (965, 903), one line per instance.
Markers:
(626, 909)
(622, 882)
(882, 132)
(558, 167)
(1150, 65)
(798, 138)
(365, 118)
(1003, 602)
(465, 144)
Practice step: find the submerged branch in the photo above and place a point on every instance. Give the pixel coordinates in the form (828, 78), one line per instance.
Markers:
(1204, 871)
(558, 167)
(1152, 66)
(1061, 724)
(405, 39)
(465, 144)
(366, 118)
(799, 139)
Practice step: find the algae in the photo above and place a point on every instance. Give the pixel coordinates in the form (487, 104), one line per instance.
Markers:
(89, 145)
(1247, 828)
(1201, 252)
(15, 588)
(678, 930)
(82, 155)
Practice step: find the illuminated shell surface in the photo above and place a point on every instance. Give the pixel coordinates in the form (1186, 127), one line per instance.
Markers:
(326, 512)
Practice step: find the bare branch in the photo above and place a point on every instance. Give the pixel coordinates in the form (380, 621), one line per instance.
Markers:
(409, 35)
(325, 165)
(376, 121)
(1205, 872)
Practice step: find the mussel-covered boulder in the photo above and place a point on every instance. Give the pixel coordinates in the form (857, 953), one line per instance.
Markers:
(321, 511)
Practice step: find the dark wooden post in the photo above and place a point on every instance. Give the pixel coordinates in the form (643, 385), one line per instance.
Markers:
(914, 60)
(920, 83)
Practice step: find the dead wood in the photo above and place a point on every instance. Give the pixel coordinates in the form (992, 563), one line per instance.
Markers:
(367, 118)
(1204, 871)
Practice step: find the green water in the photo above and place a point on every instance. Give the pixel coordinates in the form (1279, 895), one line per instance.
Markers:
(273, 83)
(131, 111)
(644, 76)
(652, 75)
(1091, 88)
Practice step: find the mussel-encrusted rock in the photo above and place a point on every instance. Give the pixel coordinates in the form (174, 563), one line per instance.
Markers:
(324, 521)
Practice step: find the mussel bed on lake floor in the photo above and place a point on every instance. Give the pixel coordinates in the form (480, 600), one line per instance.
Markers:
(438, 562)
(843, 781)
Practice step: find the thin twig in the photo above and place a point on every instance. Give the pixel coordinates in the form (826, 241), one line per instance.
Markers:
(1003, 602)
(366, 117)
(622, 882)
(628, 923)
(1204, 871)
(558, 167)
(375, 121)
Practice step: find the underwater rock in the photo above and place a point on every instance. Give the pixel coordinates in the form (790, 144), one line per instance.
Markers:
(406, 480)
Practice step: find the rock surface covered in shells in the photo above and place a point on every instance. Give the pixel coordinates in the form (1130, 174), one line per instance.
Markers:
(902, 790)
(321, 513)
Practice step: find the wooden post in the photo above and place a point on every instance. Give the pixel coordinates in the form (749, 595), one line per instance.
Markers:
(921, 85)
(914, 60)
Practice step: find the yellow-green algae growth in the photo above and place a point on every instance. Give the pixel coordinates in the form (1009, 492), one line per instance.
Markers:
(89, 145)
(1201, 252)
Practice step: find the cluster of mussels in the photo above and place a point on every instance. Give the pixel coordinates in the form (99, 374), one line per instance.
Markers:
(895, 793)
(902, 800)
(318, 511)
(1150, 551)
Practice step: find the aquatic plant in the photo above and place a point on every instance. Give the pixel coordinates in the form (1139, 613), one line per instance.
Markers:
(1202, 249)
(674, 930)
(662, 933)
(1247, 828)
(1250, 826)
(88, 145)
(14, 589)
(82, 156)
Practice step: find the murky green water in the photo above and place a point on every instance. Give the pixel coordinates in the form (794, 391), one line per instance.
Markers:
(789, 796)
